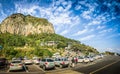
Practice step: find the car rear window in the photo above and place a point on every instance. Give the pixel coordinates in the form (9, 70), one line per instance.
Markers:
(2, 59)
(65, 59)
(16, 61)
(80, 57)
(49, 60)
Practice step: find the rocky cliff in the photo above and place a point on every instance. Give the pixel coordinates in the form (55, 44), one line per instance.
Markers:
(25, 25)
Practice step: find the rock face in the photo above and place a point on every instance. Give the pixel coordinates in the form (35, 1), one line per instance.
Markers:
(25, 25)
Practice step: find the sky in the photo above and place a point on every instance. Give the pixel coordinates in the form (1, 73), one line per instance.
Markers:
(93, 22)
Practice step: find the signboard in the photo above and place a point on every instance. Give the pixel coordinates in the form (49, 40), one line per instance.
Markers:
(0, 47)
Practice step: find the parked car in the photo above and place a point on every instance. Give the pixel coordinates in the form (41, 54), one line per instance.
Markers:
(14, 58)
(86, 59)
(3, 62)
(47, 63)
(27, 61)
(61, 62)
(97, 57)
(36, 60)
(91, 58)
(16, 65)
(80, 59)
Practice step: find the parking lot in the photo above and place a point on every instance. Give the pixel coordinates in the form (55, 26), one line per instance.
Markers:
(35, 69)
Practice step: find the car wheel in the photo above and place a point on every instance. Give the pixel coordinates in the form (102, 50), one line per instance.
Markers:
(61, 66)
(54, 68)
(44, 68)
(9, 70)
(40, 66)
(68, 66)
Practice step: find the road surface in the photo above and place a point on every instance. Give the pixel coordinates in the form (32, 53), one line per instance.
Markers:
(109, 65)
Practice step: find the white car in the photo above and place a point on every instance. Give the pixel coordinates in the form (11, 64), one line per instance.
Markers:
(91, 58)
(86, 59)
(27, 61)
(80, 59)
(16, 65)
(36, 60)
(47, 63)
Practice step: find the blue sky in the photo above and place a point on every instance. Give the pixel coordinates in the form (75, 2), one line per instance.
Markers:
(92, 22)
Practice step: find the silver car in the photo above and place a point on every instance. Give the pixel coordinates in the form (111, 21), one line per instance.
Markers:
(47, 63)
(16, 65)
(61, 62)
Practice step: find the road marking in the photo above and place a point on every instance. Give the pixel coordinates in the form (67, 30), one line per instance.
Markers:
(104, 67)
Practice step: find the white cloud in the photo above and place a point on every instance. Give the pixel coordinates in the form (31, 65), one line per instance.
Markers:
(77, 7)
(94, 22)
(64, 32)
(86, 15)
(82, 2)
(100, 27)
(2, 14)
(117, 50)
(80, 32)
(60, 16)
(107, 30)
(87, 37)
(114, 35)
(26, 8)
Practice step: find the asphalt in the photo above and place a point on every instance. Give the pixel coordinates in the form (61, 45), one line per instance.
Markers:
(111, 69)
(110, 65)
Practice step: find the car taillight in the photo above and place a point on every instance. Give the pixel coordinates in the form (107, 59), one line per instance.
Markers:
(11, 65)
(63, 62)
(20, 64)
(46, 63)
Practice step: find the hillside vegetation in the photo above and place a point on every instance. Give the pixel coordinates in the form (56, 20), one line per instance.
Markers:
(31, 45)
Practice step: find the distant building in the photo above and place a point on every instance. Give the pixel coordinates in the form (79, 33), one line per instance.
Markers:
(49, 43)
(56, 55)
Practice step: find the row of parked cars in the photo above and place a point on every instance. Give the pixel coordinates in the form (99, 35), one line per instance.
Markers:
(86, 59)
(61, 62)
(47, 63)
(19, 63)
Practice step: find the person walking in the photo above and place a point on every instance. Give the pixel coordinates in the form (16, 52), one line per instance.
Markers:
(73, 62)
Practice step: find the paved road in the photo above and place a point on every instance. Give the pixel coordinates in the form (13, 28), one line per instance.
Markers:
(113, 68)
(91, 69)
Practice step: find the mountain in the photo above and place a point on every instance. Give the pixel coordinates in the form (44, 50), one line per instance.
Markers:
(25, 25)
(35, 36)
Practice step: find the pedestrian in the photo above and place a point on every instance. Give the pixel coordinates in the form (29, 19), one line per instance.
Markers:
(76, 60)
(73, 62)
(70, 61)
